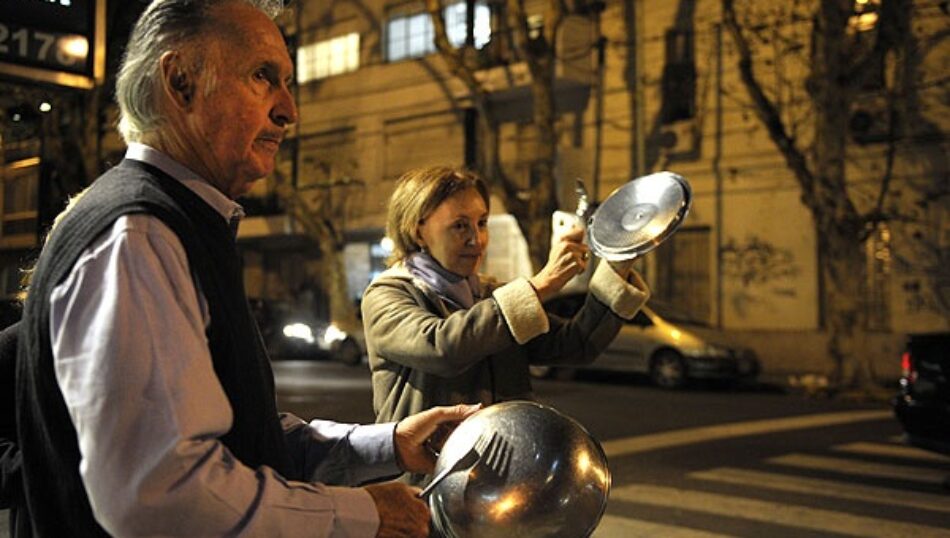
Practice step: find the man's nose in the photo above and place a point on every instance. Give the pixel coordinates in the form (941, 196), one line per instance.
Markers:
(285, 110)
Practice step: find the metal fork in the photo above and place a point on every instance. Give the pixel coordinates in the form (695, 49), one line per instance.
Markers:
(498, 456)
(493, 469)
(469, 459)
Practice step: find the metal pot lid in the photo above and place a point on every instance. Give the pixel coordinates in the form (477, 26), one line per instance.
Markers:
(638, 216)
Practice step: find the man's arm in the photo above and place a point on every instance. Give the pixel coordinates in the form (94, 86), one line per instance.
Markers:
(341, 454)
(133, 364)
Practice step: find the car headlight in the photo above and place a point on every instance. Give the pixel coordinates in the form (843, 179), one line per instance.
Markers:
(301, 331)
(334, 334)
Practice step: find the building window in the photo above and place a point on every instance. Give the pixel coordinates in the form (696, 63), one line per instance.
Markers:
(18, 222)
(412, 35)
(679, 77)
(866, 15)
(683, 273)
(328, 57)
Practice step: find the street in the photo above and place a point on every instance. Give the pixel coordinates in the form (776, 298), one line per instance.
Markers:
(705, 462)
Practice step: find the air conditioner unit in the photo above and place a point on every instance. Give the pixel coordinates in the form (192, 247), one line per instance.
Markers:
(680, 139)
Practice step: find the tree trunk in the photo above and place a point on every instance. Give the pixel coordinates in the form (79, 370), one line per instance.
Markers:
(844, 272)
(839, 228)
(342, 309)
(839, 224)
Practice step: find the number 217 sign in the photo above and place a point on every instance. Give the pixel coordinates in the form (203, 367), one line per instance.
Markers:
(55, 41)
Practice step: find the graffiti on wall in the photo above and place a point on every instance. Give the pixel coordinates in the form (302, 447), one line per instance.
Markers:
(761, 269)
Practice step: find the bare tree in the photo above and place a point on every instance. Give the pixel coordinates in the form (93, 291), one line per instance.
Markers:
(322, 220)
(531, 206)
(840, 58)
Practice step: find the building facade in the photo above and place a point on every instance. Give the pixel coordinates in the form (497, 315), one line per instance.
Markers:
(642, 86)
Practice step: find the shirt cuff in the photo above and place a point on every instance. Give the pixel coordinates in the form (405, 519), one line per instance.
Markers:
(624, 296)
(376, 449)
(522, 310)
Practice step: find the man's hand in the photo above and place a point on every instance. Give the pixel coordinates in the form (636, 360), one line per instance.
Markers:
(568, 258)
(401, 513)
(413, 431)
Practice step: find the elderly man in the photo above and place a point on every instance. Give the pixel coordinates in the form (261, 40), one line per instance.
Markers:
(145, 401)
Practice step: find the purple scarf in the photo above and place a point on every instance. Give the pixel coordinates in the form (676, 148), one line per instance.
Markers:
(459, 290)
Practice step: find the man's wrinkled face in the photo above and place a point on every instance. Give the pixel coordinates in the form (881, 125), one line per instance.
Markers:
(456, 232)
(236, 127)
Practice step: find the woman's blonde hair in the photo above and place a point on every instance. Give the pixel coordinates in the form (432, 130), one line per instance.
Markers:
(26, 274)
(418, 193)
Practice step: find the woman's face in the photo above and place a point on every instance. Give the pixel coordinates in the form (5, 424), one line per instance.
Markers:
(456, 233)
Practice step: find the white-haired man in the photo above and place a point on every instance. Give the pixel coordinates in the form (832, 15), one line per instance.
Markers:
(145, 401)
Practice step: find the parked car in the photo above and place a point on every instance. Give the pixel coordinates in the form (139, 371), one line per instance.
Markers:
(923, 404)
(658, 343)
(293, 333)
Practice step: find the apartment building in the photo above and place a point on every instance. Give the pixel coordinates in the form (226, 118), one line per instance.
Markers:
(640, 86)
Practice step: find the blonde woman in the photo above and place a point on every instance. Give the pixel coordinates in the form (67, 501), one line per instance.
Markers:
(439, 333)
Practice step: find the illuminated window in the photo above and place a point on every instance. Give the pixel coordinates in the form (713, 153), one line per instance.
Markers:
(328, 57)
(866, 15)
(20, 203)
(411, 35)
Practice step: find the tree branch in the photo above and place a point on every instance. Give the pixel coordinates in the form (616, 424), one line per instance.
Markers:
(766, 110)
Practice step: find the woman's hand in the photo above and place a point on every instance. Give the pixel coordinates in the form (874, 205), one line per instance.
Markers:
(412, 432)
(622, 267)
(569, 257)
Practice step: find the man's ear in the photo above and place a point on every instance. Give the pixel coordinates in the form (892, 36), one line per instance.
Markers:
(177, 83)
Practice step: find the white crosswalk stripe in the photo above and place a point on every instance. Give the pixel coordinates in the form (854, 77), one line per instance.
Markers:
(893, 451)
(918, 468)
(846, 466)
(802, 517)
(621, 527)
(827, 488)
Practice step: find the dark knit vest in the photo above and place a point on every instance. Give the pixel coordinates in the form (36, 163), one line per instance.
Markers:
(55, 495)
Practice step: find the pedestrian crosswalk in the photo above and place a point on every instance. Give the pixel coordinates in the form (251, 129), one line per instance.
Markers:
(795, 494)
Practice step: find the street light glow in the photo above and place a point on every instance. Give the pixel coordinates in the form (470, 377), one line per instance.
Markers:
(45, 107)
(74, 46)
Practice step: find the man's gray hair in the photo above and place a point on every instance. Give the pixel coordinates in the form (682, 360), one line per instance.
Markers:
(164, 26)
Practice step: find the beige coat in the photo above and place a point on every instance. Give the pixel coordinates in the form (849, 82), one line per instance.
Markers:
(425, 352)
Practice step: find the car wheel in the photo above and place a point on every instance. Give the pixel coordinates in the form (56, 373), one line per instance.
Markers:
(668, 370)
(349, 353)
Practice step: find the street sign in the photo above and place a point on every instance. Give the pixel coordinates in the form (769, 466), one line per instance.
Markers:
(54, 41)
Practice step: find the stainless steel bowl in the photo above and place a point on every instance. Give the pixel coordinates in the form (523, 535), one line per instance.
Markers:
(538, 473)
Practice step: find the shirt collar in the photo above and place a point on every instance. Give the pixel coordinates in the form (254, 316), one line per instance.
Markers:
(228, 208)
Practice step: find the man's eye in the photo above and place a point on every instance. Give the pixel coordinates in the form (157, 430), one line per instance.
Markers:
(262, 75)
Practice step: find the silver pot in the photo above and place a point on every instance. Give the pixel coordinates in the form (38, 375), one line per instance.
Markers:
(537, 473)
